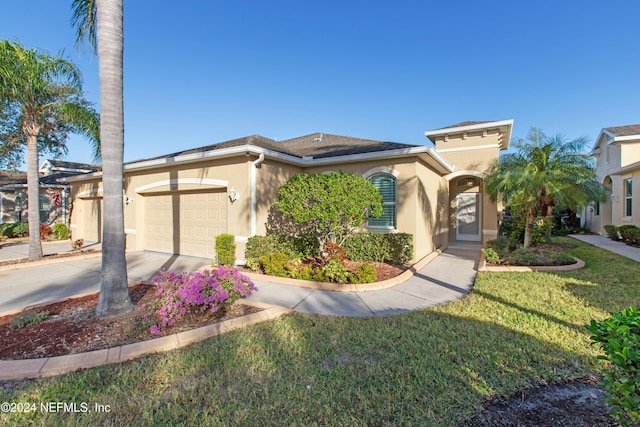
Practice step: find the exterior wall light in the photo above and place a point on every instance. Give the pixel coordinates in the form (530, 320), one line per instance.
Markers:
(233, 195)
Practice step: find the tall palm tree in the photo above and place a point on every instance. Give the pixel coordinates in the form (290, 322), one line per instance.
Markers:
(543, 172)
(43, 94)
(101, 21)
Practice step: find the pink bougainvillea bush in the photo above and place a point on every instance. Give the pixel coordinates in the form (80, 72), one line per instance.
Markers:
(214, 290)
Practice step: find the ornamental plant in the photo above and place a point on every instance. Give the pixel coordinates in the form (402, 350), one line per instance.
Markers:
(212, 291)
(619, 337)
(331, 206)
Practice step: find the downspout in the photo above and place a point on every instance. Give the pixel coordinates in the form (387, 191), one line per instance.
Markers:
(254, 197)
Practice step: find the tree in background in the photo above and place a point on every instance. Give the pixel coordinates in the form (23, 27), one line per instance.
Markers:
(100, 22)
(543, 172)
(330, 206)
(41, 102)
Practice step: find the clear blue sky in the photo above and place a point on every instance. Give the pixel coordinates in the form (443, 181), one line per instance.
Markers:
(201, 72)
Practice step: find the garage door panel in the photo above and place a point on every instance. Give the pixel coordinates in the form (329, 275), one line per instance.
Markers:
(199, 218)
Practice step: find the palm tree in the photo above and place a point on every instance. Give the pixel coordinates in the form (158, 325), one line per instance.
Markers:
(543, 172)
(101, 22)
(43, 96)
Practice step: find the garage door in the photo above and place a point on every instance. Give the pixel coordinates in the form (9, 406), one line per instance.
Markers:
(184, 223)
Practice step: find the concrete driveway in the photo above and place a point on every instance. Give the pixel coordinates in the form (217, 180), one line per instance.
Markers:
(38, 283)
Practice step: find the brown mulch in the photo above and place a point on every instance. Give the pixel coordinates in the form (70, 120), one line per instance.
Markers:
(72, 327)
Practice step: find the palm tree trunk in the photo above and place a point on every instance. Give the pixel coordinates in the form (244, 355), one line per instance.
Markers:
(114, 289)
(528, 228)
(33, 188)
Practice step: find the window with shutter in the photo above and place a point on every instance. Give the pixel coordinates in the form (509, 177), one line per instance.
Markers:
(386, 186)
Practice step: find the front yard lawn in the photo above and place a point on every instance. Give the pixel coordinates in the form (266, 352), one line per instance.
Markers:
(431, 367)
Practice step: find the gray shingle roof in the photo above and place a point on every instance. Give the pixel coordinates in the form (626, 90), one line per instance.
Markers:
(627, 130)
(12, 177)
(461, 124)
(322, 145)
(318, 145)
(72, 165)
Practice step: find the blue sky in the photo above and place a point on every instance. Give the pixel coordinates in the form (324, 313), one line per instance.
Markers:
(201, 72)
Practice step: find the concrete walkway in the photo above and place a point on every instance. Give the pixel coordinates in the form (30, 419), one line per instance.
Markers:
(448, 277)
(17, 250)
(612, 246)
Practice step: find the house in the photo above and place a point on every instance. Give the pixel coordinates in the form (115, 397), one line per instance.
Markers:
(54, 195)
(617, 151)
(179, 202)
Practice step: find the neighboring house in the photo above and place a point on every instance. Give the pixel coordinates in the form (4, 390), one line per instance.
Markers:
(179, 202)
(54, 195)
(617, 151)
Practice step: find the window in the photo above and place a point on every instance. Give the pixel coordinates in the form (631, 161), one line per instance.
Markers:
(628, 190)
(468, 182)
(386, 186)
(45, 208)
(597, 208)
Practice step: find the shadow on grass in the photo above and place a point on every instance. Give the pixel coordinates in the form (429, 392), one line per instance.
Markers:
(422, 368)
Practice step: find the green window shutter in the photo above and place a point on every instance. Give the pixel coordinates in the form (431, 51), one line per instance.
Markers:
(386, 186)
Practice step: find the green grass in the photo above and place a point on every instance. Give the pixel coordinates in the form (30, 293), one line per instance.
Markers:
(433, 367)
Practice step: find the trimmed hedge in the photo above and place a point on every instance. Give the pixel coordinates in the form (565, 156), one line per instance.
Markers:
(294, 247)
(393, 247)
(612, 232)
(226, 249)
(365, 246)
(630, 234)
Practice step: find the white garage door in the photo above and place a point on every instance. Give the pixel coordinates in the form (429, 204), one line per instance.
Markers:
(184, 223)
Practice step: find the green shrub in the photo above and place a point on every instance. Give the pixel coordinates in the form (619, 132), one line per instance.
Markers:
(630, 234)
(295, 247)
(330, 205)
(15, 229)
(61, 231)
(335, 271)
(392, 247)
(366, 273)
(523, 257)
(226, 249)
(612, 231)
(28, 318)
(619, 337)
(491, 256)
(275, 264)
(503, 246)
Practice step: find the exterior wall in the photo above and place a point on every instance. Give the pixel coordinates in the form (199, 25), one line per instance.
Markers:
(629, 153)
(472, 151)
(611, 158)
(420, 199)
(8, 213)
(86, 213)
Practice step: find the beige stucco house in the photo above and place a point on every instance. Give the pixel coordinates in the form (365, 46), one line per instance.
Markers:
(54, 194)
(617, 151)
(179, 202)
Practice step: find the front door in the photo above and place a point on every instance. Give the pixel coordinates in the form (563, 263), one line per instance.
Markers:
(468, 210)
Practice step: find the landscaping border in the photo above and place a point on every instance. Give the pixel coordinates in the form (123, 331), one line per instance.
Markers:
(52, 366)
(483, 267)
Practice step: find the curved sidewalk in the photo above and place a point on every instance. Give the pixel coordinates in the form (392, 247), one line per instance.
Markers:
(447, 277)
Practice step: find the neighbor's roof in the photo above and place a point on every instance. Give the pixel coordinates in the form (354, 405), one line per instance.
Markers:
(61, 164)
(12, 177)
(616, 134)
(628, 130)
